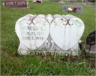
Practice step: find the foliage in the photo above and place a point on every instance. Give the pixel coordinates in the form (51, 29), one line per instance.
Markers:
(43, 65)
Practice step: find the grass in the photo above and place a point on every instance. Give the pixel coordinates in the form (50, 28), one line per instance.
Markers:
(43, 65)
(14, 64)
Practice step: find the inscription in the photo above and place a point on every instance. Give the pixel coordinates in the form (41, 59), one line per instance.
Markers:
(21, 3)
(15, 3)
(9, 3)
(31, 33)
(33, 38)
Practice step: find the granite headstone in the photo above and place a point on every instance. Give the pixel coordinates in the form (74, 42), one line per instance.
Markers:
(79, 8)
(15, 3)
(55, 0)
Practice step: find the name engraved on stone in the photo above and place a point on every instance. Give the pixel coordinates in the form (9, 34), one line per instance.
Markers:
(9, 3)
(30, 33)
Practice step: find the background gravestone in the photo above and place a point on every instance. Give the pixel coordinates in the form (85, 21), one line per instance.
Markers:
(55, 0)
(78, 10)
(15, 3)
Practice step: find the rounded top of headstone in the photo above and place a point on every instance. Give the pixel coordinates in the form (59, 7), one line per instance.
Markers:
(41, 16)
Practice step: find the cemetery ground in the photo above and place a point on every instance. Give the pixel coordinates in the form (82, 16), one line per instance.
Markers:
(14, 64)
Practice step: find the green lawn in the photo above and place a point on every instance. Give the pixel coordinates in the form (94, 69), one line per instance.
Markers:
(14, 64)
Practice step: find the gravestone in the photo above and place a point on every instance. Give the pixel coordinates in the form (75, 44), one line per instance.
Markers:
(49, 33)
(55, 0)
(34, 0)
(15, 3)
(61, 2)
(79, 9)
(38, 1)
(71, 0)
